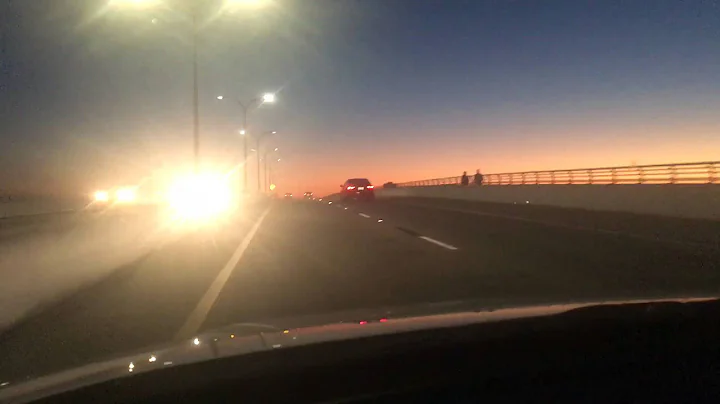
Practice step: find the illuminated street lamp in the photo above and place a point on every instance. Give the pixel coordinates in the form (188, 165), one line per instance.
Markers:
(193, 11)
(267, 98)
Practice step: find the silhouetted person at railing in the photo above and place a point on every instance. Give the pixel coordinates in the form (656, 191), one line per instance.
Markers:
(464, 180)
(478, 178)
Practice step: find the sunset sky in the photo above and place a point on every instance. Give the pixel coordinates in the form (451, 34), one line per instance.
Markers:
(93, 96)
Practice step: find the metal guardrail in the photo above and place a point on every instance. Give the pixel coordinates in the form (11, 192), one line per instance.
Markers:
(683, 173)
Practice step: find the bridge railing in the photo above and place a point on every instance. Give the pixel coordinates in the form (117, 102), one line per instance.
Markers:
(707, 172)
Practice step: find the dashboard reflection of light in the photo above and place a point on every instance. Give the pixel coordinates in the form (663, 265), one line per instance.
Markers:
(152, 358)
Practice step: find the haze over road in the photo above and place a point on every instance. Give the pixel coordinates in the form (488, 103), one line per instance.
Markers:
(285, 259)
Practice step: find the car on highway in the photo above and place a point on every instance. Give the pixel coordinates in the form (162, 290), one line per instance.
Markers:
(308, 195)
(288, 195)
(119, 198)
(360, 189)
(612, 351)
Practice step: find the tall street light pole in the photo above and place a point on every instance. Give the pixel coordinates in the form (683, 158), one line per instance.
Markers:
(266, 165)
(196, 107)
(270, 171)
(245, 146)
(193, 12)
(259, 138)
(267, 98)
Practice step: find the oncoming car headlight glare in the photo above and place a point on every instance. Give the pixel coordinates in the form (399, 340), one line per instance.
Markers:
(200, 196)
(101, 196)
(125, 195)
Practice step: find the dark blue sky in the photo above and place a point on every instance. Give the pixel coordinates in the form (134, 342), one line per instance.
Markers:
(391, 89)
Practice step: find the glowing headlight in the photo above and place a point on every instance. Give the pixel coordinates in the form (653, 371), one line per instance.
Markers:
(200, 197)
(125, 195)
(101, 196)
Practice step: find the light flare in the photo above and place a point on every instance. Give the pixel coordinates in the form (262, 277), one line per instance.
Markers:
(102, 196)
(200, 197)
(125, 195)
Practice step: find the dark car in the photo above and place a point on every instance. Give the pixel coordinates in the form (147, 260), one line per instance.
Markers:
(358, 189)
(308, 195)
(288, 195)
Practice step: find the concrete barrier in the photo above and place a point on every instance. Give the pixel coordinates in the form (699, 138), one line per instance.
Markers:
(689, 201)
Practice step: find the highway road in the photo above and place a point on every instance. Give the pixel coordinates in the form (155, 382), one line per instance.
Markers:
(283, 259)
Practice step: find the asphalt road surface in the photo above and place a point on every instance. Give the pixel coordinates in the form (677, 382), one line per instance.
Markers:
(283, 259)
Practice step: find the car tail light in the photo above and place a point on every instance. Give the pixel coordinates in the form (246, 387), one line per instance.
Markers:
(350, 187)
(370, 186)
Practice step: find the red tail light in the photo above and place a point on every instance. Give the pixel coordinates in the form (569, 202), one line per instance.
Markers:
(350, 187)
(370, 186)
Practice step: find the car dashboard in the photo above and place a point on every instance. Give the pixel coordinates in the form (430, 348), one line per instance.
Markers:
(651, 353)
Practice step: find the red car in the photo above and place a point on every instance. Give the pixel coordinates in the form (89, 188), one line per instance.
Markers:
(358, 189)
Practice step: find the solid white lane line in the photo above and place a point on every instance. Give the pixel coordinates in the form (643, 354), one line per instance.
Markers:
(197, 317)
(364, 215)
(440, 243)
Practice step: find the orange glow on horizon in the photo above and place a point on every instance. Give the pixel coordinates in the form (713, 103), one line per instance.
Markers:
(321, 170)
(644, 145)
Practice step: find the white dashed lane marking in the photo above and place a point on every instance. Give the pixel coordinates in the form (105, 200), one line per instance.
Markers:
(440, 243)
(415, 234)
